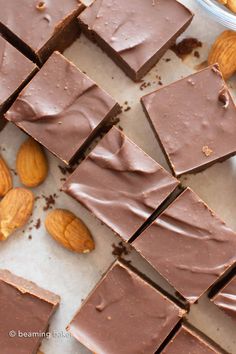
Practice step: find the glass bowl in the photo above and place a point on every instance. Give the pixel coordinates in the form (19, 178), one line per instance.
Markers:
(220, 13)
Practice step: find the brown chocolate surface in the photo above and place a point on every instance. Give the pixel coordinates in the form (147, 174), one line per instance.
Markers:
(62, 108)
(194, 120)
(120, 184)
(24, 308)
(189, 245)
(39, 27)
(124, 314)
(15, 69)
(187, 341)
(226, 299)
(135, 33)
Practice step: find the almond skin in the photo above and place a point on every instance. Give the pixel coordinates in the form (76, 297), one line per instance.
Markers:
(15, 209)
(31, 163)
(223, 52)
(5, 178)
(69, 231)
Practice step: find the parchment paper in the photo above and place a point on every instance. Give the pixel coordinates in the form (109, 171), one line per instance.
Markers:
(72, 276)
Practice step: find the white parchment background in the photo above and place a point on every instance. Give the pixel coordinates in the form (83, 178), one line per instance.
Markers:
(72, 276)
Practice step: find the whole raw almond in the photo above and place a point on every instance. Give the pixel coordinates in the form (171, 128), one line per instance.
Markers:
(69, 231)
(15, 210)
(223, 52)
(31, 163)
(5, 178)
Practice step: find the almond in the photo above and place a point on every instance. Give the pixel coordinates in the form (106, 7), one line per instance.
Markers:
(15, 210)
(69, 231)
(31, 163)
(223, 52)
(231, 4)
(5, 177)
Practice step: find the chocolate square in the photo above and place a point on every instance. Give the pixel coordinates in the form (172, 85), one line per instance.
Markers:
(15, 71)
(63, 109)
(40, 27)
(137, 33)
(225, 299)
(189, 245)
(186, 341)
(25, 309)
(124, 314)
(120, 184)
(194, 120)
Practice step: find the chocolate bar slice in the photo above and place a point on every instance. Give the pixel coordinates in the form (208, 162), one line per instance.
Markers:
(137, 33)
(124, 314)
(63, 109)
(25, 313)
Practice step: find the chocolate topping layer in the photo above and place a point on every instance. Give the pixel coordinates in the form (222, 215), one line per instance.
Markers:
(189, 245)
(120, 184)
(39, 25)
(135, 33)
(195, 120)
(62, 108)
(24, 308)
(15, 69)
(226, 299)
(124, 314)
(188, 342)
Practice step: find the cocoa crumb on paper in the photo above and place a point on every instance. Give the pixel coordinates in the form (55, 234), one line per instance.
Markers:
(120, 249)
(37, 224)
(49, 201)
(186, 47)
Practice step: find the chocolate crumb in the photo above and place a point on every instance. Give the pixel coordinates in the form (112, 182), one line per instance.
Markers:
(167, 60)
(37, 224)
(127, 109)
(120, 249)
(186, 47)
(30, 237)
(144, 85)
(196, 54)
(120, 127)
(50, 201)
(65, 170)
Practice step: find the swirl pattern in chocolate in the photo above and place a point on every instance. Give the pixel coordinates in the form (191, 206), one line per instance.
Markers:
(226, 299)
(120, 184)
(62, 108)
(183, 245)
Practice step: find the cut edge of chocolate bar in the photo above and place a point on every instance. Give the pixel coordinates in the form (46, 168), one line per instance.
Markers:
(29, 287)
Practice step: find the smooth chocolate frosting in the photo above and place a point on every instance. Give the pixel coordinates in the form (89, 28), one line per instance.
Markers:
(194, 119)
(120, 184)
(183, 245)
(187, 341)
(24, 308)
(35, 22)
(15, 68)
(124, 314)
(226, 299)
(135, 30)
(61, 107)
